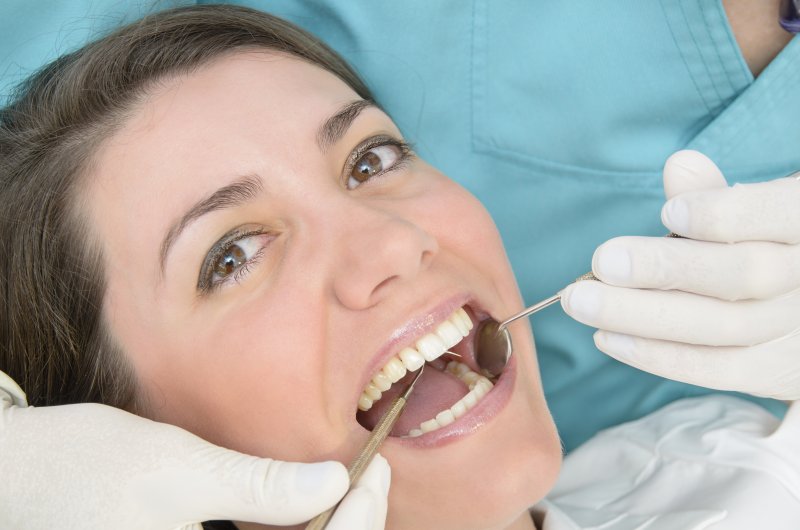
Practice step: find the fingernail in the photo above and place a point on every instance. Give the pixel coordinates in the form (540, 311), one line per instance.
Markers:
(617, 345)
(675, 216)
(311, 478)
(612, 264)
(582, 301)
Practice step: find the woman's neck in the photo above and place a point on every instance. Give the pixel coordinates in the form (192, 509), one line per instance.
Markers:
(524, 522)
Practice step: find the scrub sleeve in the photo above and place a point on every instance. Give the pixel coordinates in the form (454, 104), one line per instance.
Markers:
(557, 115)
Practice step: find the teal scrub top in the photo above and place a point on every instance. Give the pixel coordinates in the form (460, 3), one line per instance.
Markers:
(557, 115)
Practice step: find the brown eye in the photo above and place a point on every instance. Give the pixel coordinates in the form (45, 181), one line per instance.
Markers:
(366, 166)
(233, 258)
(373, 162)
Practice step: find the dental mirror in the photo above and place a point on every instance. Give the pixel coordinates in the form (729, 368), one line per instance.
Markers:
(494, 340)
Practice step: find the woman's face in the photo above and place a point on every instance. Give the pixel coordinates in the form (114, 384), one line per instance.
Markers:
(271, 246)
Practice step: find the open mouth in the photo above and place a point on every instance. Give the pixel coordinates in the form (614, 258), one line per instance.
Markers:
(449, 387)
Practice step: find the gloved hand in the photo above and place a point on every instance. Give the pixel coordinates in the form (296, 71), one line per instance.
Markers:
(720, 309)
(90, 466)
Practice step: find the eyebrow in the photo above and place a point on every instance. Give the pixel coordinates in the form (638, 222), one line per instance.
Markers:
(334, 127)
(247, 188)
(234, 194)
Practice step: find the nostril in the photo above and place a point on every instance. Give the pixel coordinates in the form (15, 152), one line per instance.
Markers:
(426, 258)
(385, 283)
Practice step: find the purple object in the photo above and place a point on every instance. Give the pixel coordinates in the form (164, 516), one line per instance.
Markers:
(790, 15)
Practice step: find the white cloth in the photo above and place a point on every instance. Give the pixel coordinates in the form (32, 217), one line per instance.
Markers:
(714, 462)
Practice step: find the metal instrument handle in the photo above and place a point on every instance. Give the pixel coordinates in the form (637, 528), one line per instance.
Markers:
(541, 305)
(360, 463)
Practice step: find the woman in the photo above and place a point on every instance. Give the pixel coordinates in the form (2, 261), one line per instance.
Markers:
(213, 225)
(239, 240)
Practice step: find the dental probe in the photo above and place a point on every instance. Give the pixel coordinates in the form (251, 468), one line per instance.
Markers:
(494, 340)
(379, 434)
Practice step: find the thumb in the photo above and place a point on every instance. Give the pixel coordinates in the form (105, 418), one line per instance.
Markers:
(691, 171)
(217, 483)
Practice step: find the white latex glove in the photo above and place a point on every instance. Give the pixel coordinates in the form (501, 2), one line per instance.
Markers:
(720, 309)
(90, 466)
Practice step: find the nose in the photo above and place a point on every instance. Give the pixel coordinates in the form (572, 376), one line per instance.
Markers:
(380, 252)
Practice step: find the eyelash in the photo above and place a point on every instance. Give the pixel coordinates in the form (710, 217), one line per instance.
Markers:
(206, 284)
(406, 154)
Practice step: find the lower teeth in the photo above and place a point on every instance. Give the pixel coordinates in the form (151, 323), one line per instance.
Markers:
(478, 385)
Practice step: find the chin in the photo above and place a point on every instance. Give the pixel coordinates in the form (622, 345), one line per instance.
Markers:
(484, 479)
(476, 493)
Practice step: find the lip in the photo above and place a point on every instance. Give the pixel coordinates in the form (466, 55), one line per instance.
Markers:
(413, 329)
(487, 409)
(491, 404)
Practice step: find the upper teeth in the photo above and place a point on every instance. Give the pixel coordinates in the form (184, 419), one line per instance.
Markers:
(427, 348)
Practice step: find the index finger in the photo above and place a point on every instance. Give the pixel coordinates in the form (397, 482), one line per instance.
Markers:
(762, 211)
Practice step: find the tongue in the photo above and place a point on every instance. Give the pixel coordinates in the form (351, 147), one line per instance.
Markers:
(434, 392)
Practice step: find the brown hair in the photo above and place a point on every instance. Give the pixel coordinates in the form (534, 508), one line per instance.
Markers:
(53, 340)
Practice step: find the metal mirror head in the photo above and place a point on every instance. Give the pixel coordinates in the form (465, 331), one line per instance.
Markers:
(494, 348)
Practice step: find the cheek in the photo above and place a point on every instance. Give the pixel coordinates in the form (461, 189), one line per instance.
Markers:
(460, 220)
(228, 375)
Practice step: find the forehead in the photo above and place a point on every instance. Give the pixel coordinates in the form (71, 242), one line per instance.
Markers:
(222, 117)
(272, 90)
(236, 111)
(242, 114)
